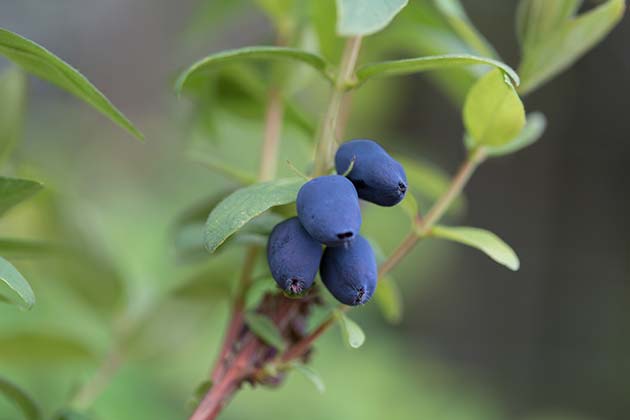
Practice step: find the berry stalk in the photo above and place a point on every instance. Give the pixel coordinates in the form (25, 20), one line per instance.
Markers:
(330, 128)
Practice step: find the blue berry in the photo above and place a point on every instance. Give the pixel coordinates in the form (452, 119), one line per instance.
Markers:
(293, 256)
(375, 174)
(349, 272)
(328, 208)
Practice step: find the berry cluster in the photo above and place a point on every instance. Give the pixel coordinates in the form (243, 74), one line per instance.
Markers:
(328, 213)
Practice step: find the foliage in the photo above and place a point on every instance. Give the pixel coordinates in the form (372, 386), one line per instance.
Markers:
(109, 264)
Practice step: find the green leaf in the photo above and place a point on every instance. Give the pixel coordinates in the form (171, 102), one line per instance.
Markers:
(536, 18)
(493, 112)
(42, 63)
(198, 394)
(365, 17)
(71, 414)
(259, 53)
(483, 240)
(456, 16)
(410, 206)
(14, 190)
(351, 331)
(14, 280)
(26, 248)
(246, 203)
(12, 104)
(420, 64)
(311, 375)
(279, 11)
(533, 130)
(265, 329)
(389, 300)
(21, 399)
(553, 38)
(27, 349)
(258, 290)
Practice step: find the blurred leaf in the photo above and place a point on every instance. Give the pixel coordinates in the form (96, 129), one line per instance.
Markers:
(200, 391)
(245, 204)
(533, 130)
(323, 14)
(429, 182)
(18, 284)
(456, 16)
(410, 206)
(420, 64)
(258, 290)
(207, 285)
(70, 414)
(40, 348)
(389, 299)
(483, 240)
(279, 11)
(249, 53)
(26, 248)
(535, 18)
(12, 104)
(14, 190)
(209, 19)
(265, 329)
(553, 38)
(21, 399)
(42, 63)
(351, 331)
(493, 112)
(311, 375)
(218, 165)
(365, 17)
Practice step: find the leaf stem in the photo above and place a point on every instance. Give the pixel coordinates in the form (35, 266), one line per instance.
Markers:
(329, 128)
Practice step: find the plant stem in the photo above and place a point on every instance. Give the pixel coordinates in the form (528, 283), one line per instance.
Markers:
(89, 392)
(271, 143)
(329, 129)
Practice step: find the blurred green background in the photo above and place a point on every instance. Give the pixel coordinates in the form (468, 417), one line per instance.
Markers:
(549, 342)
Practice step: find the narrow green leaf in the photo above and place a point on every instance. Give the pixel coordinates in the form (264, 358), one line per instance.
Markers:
(71, 414)
(258, 290)
(493, 112)
(259, 53)
(365, 17)
(389, 300)
(533, 130)
(42, 349)
(200, 391)
(483, 240)
(21, 399)
(14, 190)
(265, 329)
(246, 203)
(311, 375)
(457, 18)
(12, 104)
(420, 64)
(42, 63)
(536, 18)
(551, 45)
(218, 165)
(410, 206)
(14, 280)
(26, 248)
(351, 331)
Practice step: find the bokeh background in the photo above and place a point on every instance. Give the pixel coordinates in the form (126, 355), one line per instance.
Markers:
(477, 341)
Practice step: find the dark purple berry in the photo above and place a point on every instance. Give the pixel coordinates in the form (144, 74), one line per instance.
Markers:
(349, 272)
(328, 208)
(375, 174)
(293, 256)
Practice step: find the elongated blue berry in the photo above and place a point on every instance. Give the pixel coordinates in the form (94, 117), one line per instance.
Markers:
(293, 256)
(375, 174)
(349, 272)
(328, 208)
